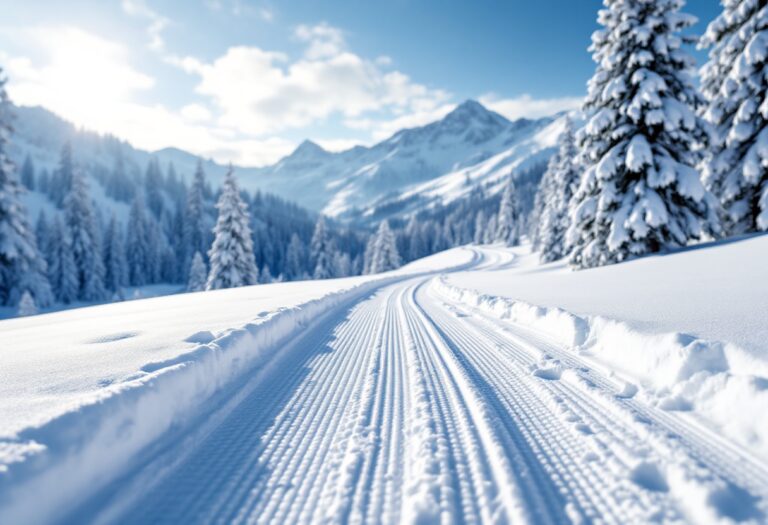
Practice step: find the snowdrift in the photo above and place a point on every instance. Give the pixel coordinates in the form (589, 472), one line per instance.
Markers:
(95, 441)
(717, 382)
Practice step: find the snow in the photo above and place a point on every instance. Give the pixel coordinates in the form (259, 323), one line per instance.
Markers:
(685, 325)
(398, 397)
(144, 363)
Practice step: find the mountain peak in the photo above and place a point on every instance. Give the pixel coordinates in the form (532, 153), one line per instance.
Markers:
(308, 148)
(473, 111)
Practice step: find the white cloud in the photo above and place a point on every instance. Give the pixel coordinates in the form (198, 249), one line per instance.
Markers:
(323, 40)
(260, 92)
(196, 113)
(157, 22)
(525, 106)
(89, 80)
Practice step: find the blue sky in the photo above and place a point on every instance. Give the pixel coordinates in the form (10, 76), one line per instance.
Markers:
(247, 80)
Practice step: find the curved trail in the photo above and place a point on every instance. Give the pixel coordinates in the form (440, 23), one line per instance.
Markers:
(407, 408)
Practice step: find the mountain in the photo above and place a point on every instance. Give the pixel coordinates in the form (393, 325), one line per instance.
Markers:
(413, 169)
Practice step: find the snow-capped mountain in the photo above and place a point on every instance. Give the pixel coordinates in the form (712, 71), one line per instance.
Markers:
(415, 167)
(412, 169)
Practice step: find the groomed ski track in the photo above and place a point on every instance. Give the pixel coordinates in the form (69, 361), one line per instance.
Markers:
(405, 407)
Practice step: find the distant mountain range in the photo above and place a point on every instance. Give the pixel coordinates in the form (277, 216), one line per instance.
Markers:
(413, 169)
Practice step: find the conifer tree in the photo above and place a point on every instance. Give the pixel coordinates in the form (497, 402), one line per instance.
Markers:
(481, 223)
(639, 192)
(81, 222)
(322, 250)
(385, 256)
(195, 231)
(27, 305)
(62, 270)
(22, 268)
(294, 258)
(559, 185)
(61, 184)
(28, 174)
(734, 82)
(198, 274)
(508, 218)
(114, 257)
(231, 256)
(136, 243)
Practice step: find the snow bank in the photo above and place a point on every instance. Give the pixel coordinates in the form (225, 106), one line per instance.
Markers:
(95, 439)
(677, 371)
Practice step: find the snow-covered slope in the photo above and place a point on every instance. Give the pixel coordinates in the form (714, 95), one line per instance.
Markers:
(413, 169)
(398, 398)
(688, 327)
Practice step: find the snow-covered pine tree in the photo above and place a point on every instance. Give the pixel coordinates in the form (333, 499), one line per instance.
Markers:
(562, 180)
(198, 274)
(136, 243)
(322, 250)
(481, 223)
(81, 222)
(384, 255)
(27, 305)
(639, 192)
(153, 182)
(734, 82)
(62, 270)
(490, 231)
(61, 184)
(294, 258)
(195, 231)
(342, 265)
(114, 257)
(508, 218)
(265, 275)
(22, 267)
(231, 256)
(28, 174)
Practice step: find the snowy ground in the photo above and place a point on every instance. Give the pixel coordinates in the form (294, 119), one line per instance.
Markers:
(406, 398)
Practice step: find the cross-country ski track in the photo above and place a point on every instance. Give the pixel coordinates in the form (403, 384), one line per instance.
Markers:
(407, 407)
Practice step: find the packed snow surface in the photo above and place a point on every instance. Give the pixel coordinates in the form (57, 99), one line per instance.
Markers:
(398, 398)
(717, 292)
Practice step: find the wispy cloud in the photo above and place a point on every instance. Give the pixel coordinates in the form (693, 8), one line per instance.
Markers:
(157, 22)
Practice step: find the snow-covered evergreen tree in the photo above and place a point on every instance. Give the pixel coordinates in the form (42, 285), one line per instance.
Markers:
(734, 82)
(481, 223)
(195, 230)
(265, 275)
(198, 274)
(294, 258)
(61, 184)
(27, 305)
(115, 261)
(136, 243)
(62, 270)
(153, 182)
(639, 192)
(81, 222)
(231, 256)
(22, 267)
(384, 255)
(322, 251)
(28, 174)
(342, 265)
(508, 218)
(559, 184)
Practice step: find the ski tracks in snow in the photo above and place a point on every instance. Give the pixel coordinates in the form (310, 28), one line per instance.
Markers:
(408, 408)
